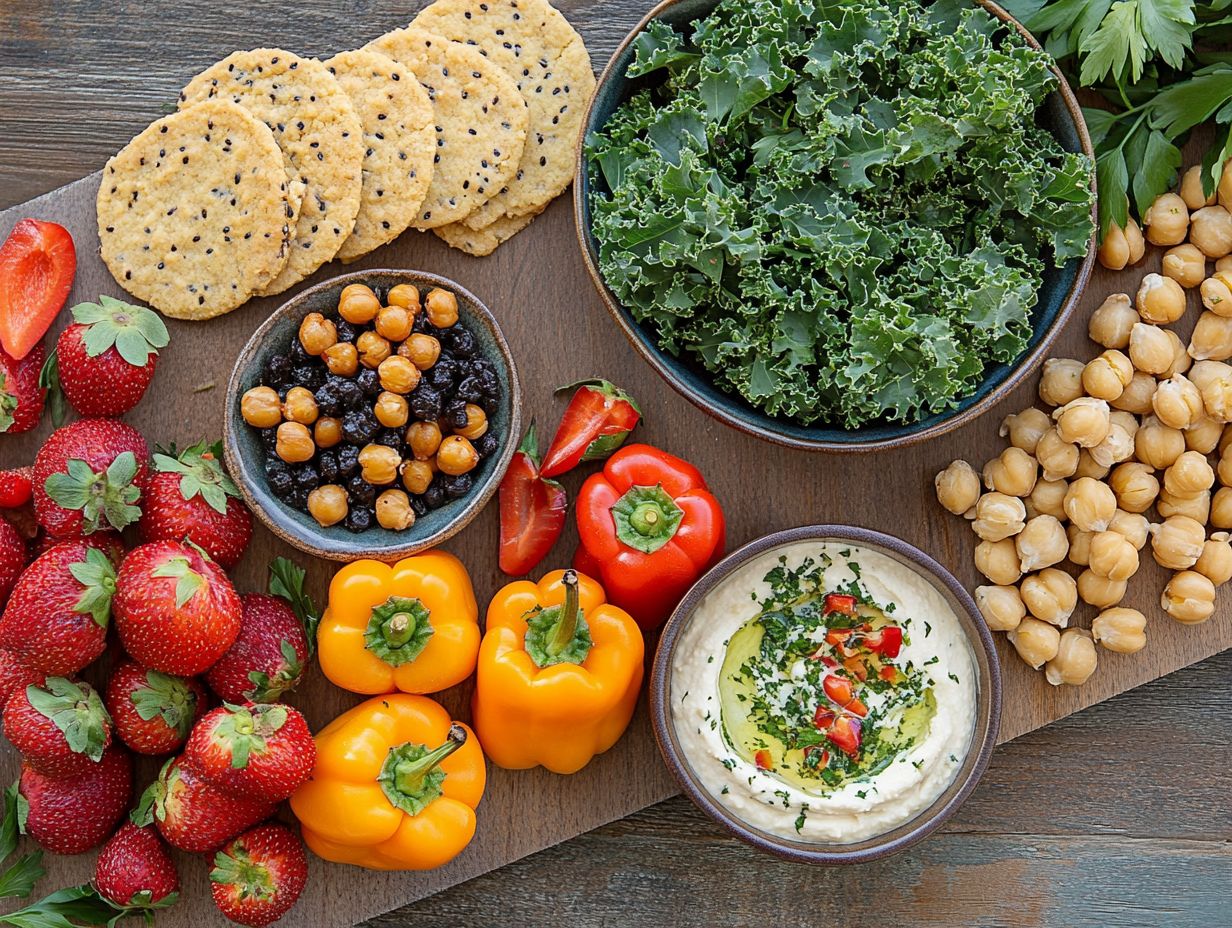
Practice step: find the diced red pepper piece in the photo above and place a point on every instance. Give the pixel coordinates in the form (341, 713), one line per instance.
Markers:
(839, 690)
(812, 749)
(889, 674)
(886, 641)
(763, 760)
(839, 602)
(856, 666)
(844, 734)
(823, 717)
(837, 636)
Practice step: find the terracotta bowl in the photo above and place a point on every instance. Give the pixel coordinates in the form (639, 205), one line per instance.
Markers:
(987, 712)
(245, 456)
(1058, 295)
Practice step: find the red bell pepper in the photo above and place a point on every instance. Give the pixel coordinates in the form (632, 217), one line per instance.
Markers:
(532, 510)
(597, 421)
(37, 265)
(845, 735)
(649, 528)
(886, 641)
(839, 602)
(763, 760)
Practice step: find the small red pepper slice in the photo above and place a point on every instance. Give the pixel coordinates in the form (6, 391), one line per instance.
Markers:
(886, 641)
(839, 602)
(844, 734)
(889, 674)
(532, 510)
(597, 421)
(839, 690)
(856, 666)
(837, 636)
(824, 717)
(37, 265)
(763, 760)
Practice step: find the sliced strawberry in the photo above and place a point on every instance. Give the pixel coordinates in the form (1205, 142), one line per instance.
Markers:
(763, 760)
(840, 603)
(16, 487)
(844, 734)
(886, 641)
(37, 264)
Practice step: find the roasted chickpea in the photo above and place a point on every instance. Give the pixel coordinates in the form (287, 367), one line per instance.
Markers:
(394, 323)
(1057, 457)
(458, 456)
(398, 375)
(442, 308)
(1160, 300)
(1203, 436)
(1107, 376)
(1216, 293)
(1122, 630)
(1185, 264)
(300, 406)
(406, 296)
(1189, 597)
(1036, 642)
(328, 504)
(316, 333)
(1061, 381)
(1189, 474)
(416, 475)
(357, 304)
(1150, 349)
(1075, 660)
(1166, 220)
(261, 407)
(1135, 486)
(327, 432)
(477, 424)
(1025, 428)
(1048, 498)
(1013, 472)
(998, 561)
(294, 443)
(1084, 421)
(1112, 556)
(393, 511)
(1041, 543)
(378, 464)
(1177, 542)
(997, 516)
(1215, 563)
(421, 350)
(1110, 323)
(1079, 545)
(1158, 445)
(342, 359)
(1211, 230)
(1132, 525)
(1224, 263)
(391, 410)
(1177, 402)
(1050, 595)
(1001, 607)
(1225, 440)
(1089, 467)
(1090, 504)
(1196, 507)
(1137, 395)
(373, 349)
(1211, 338)
(1098, 591)
(425, 437)
(1191, 189)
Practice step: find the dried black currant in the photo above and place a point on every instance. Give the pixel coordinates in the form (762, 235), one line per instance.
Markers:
(368, 381)
(358, 520)
(348, 460)
(359, 426)
(425, 402)
(362, 492)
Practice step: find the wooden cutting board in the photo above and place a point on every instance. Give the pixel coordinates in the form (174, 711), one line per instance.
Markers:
(539, 291)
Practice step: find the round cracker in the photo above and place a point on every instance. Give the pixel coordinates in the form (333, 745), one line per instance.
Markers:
(399, 145)
(193, 216)
(480, 120)
(484, 241)
(535, 45)
(319, 133)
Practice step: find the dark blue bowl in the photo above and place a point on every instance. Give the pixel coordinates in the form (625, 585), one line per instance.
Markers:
(1058, 296)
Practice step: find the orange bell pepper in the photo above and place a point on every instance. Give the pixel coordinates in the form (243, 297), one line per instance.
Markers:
(559, 674)
(413, 626)
(395, 786)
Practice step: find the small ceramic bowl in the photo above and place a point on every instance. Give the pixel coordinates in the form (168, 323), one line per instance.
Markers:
(1058, 295)
(245, 456)
(987, 707)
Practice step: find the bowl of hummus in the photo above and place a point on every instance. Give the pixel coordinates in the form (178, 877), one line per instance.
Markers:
(827, 693)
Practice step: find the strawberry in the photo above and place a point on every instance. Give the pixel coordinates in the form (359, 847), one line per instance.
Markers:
(89, 475)
(106, 358)
(12, 558)
(259, 876)
(175, 609)
(69, 816)
(190, 497)
(153, 712)
(14, 676)
(56, 619)
(21, 396)
(134, 869)
(275, 641)
(263, 751)
(16, 488)
(191, 814)
(60, 728)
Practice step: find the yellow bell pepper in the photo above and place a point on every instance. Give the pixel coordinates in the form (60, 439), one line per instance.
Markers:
(395, 786)
(558, 676)
(413, 626)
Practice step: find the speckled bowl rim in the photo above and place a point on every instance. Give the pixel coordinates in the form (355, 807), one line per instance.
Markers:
(988, 701)
(349, 548)
(762, 425)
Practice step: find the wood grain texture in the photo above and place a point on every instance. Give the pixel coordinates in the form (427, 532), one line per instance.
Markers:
(79, 79)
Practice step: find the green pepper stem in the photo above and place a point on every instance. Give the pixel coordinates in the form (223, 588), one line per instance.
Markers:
(409, 774)
(566, 627)
(645, 518)
(398, 629)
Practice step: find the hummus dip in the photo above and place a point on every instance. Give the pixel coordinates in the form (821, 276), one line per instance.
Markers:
(824, 692)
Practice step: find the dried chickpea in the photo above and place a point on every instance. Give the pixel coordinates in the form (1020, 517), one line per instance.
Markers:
(1191, 189)
(398, 375)
(372, 349)
(328, 504)
(1107, 376)
(1036, 642)
(1166, 220)
(1048, 498)
(1098, 591)
(1203, 436)
(458, 456)
(394, 323)
(1177, 402)
(1117, 446)
(1079, 545)
(1013, 472)
(1137, 395)
(1204, 372)
(1050, 595)
(1221, 508)
(1216, 293)
(998, 561)
(1196, 507)
(1160, 299)
(1223, 191)
(1132, 525)
(294, 443)
(1158, 445)
(406, 296)
(1215, 563)
(391, 410)
(1114, 249)
(1110, 323)
(1122, 630)
(378, 464)
(1211, 338)
(1217, 402)
(477, 424)
(1224, 263)
(357, 304)
(1181, 361)
(1061, 381)
(1177, 542)
(327, 431)
(1135, 486)
(1189, 597)
(1057, 457)
(1041, 543)
(1189, 474)
(1084, 421)
(1150, 349)
(416, 475)
(1225, 440)
(300, 406)
(421, 350)
(997, 516)
(1224, 469)
(1025, 428)
(1090, 504)
(342, 359)
(1185, 264)
(1001, 607)
(1112, 556)
(1075, 660)
(316, 333)
(1089, 467)
(441, 307)
(1211, 230)
(261, 407)
(393, 511)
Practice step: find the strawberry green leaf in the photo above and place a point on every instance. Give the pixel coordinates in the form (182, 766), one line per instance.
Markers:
(78, 905)
(9, 825)
(8, 405)
(98, 575)
(49, 380)
(168, 698)
(203, 474)
(153, 801)
(234, 867)
(287, 581)
(269, 689)
(134, 331)
(77, 711)
(108, 496)
(188, 581)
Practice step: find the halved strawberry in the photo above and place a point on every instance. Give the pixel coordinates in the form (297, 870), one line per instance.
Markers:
(844, 734)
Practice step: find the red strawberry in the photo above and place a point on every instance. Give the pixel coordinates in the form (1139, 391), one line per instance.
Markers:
(258, 876)
(106, 358)
(191, 498)
(191, 814)
(69, 816)
(15, 487)
(56, 619)
(153, 712)
(134, 869)
(12, 558)
(21, 397)
(175, 609)
(263, 751)
(267, 659)
(14, 675)
(89, 475)
(61, 728)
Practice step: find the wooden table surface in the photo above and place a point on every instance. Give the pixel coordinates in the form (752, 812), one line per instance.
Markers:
(1117, 816)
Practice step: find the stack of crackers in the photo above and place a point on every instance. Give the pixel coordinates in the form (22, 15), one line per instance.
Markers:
(464, 123)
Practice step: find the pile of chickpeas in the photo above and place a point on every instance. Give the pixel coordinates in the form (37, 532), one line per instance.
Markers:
(1141, 430)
